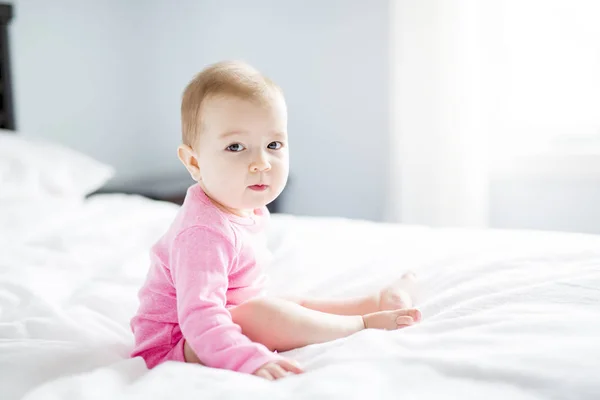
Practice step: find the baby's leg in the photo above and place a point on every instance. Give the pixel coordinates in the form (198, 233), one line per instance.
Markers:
(285, 325)
(399, 294)
(347, 306)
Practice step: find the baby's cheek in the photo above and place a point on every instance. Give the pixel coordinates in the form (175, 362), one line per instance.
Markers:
(281, 165)
(283, 174)
(228, 171)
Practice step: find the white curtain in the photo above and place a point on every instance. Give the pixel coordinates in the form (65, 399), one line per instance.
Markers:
(510, 79)
(440, 118)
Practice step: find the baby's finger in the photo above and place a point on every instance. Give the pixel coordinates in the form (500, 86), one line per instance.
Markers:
(263, 373)
(416, 314)
(277, 371)
(404, 320)
(408, 311)
(290, 366)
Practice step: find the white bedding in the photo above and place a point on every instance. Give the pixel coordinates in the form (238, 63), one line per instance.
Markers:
(507, 315)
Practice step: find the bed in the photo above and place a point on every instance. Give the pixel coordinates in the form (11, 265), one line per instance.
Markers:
(507, 314)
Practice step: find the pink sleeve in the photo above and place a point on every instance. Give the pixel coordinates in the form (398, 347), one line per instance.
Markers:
(200, 261)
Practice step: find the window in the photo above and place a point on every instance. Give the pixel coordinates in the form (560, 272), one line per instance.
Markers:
(549, 78)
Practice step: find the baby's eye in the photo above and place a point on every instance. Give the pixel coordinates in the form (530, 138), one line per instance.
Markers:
(235, 148)
(275, 145)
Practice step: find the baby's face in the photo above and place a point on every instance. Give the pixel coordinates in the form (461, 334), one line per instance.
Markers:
(243, 152)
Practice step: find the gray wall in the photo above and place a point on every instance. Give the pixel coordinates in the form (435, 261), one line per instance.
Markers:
(74, 70)
(105, 77)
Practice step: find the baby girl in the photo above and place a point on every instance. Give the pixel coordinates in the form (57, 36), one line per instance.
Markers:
(203, 300)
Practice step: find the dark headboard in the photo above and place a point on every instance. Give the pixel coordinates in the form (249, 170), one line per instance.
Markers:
(7, 113)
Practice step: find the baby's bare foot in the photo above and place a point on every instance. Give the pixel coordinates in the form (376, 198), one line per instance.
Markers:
(399, 294)
(390, 320)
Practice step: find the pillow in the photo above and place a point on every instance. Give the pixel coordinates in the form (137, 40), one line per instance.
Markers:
(31, 168)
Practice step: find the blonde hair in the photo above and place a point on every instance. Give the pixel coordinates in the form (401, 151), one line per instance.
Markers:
(233, 78)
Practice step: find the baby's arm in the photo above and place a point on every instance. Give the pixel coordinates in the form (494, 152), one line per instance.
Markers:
(200, 260)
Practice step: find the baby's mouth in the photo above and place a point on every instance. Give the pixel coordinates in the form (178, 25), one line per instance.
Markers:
(259, 188)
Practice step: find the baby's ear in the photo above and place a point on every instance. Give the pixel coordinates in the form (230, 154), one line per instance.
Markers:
(188, 157)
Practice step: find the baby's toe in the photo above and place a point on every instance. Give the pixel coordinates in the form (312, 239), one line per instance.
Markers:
(409, 276)
(394, 299)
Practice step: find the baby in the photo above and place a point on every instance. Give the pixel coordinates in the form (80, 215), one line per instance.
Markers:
(203, 300)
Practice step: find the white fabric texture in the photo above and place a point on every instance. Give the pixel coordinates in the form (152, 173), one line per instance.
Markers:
(31, 169)
(507, 314)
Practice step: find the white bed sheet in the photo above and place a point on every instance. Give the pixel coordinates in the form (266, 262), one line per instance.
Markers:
(507, 314)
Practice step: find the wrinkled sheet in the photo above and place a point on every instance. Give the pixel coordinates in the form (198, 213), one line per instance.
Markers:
(507, 314)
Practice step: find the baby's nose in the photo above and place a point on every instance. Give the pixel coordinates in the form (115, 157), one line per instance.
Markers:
(260, 165)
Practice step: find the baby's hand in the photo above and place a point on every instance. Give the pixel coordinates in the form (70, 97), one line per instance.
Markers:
(278, 369)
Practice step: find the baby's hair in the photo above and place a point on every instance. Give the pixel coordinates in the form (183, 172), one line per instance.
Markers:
(233, 78)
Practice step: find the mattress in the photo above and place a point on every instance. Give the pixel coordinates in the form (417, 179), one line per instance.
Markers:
(507, 314)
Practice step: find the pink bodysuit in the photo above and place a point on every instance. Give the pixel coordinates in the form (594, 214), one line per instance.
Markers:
(207, 262)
